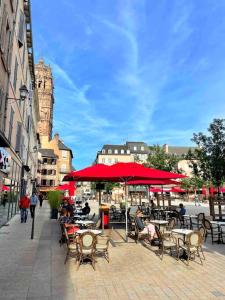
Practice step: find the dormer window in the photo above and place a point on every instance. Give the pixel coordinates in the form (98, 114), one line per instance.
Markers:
(110, 151)
(122, 151)
(135, 148)
(128, 151)
(116, 151)
(103, 151)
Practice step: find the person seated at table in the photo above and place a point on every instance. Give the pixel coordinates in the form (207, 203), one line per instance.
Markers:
(182, 211)
(86, 209)
(148, 229)
(152, 204)
(65, 217)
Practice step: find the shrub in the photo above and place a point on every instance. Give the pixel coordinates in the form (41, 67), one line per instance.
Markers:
(54, 199)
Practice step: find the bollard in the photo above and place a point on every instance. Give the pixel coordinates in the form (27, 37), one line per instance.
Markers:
(32, 228)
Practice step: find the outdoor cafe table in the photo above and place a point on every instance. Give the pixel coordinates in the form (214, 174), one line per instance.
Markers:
(183, 232)
(84, 222)
(94, 231)
(79, 216)
(159, 222)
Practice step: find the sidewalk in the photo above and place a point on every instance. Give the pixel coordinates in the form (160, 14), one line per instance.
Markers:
(35, 270)
(29, 267)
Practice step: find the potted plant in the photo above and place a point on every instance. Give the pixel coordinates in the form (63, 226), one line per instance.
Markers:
(54, 200)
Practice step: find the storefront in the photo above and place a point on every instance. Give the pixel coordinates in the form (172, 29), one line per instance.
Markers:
(10, 178)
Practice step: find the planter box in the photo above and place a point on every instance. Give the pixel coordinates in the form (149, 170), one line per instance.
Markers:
(54, 213)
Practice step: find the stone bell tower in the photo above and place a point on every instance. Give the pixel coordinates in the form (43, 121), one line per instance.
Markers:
(44, 85)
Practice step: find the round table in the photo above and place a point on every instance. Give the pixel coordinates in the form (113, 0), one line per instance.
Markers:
(95, 231)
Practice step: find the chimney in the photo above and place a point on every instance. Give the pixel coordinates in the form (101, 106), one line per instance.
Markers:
(56, 136)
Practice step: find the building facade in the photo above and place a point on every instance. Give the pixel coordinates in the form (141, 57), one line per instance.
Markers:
(129, 152)
(56, 162)
(19, 112)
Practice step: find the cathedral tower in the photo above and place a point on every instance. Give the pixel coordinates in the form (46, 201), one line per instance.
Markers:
(44, 85)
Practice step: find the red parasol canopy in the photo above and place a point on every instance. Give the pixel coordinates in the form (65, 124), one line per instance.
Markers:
(156, 190)
(177, 189)
(119, 172)
(153, 182)
(67, 187)
(5, 188)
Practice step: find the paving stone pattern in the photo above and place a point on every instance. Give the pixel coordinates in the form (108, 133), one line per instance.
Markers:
(34, 269)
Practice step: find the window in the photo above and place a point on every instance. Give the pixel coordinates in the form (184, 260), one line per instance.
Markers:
(63, 168)
(11, 124)
(122, 151)
(142, 148)
(109, 160)
(116, 160)
(110, 151)
(28, 124)
(15, 75)
(3, 28)
(116, 151)
(45, 161)
(135, 148)
(128, 151)
(64, 154)
(21, 29)
(18, 137)
(103, 160)
(103, 151)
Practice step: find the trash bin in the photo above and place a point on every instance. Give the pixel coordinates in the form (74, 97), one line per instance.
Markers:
(104, 209)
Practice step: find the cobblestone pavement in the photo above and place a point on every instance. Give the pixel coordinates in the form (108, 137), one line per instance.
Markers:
(34, 269)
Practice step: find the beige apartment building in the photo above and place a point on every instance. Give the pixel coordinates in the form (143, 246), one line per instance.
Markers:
(129, 152)
(56, 156)
(19, 112)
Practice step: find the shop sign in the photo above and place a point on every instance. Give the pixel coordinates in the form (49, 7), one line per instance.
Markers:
(4, 161)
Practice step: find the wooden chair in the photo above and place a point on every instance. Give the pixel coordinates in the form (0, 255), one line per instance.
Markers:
(213, 230)
(72, 249)
(102, 245)
(166, 243)
(169, 227)
(192, 245)
(86, 245)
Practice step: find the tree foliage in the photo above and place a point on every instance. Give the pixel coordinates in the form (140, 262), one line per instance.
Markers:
(159, 159)
(208, 160)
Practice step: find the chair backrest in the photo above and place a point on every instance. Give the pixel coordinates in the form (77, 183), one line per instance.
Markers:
(201, 217)
(159, 234)
(92, 218)
(194, 239)
(87, 241)
(207, 224)
(202, 232)
(172, 223)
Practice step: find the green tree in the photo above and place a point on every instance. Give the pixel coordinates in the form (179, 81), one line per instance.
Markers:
(208, 160)
(159, 159)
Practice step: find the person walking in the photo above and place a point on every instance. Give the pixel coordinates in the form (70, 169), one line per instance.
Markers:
(41, 198)
(33, 203)
(196, 198)
(24, 204)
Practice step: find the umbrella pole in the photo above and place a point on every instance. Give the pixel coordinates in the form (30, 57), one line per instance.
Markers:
(126, 199)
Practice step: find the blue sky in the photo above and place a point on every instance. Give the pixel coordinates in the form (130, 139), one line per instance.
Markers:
(132, 70)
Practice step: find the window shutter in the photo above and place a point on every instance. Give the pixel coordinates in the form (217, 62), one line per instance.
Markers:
(18, 137)
(15, 75)
(3, 28)
(21, 146)
(21, 29)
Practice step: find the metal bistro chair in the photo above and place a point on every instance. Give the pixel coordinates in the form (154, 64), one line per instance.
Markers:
(138, 233)
(197, 222)
(213, 230)
(192, 245)
(72, 249)
(171, 225)
(102, 245)
(86, 245)
(164, 243)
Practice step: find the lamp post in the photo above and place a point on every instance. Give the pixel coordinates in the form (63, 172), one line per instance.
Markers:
(23, 94)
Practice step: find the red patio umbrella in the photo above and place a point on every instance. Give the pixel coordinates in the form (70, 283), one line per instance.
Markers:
(5, 188)
(177, 189)
(156, 190)
(67, 187)
(120, 172)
